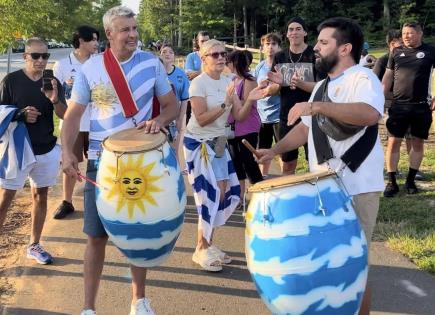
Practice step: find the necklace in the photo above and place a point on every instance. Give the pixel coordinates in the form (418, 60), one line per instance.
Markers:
(299, 59)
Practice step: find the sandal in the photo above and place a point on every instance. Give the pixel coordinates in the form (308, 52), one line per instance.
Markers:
(207, 259)
(223, 257)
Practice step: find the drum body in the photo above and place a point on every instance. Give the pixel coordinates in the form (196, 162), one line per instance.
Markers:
(304, 260)
(141, 198)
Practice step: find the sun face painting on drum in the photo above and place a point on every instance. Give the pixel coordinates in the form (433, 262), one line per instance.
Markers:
(305, 249)
(142, 208)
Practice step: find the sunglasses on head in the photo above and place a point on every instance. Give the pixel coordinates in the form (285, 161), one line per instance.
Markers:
(216, 55)
(36, 56)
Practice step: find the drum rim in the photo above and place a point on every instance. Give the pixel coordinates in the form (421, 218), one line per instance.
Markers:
(260, 186)
(127, 151)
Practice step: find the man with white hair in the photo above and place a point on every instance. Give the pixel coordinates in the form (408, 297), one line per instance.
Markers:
(94, 85)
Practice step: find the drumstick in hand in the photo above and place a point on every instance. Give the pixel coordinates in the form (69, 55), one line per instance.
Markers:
(250, 148)
(92, 182)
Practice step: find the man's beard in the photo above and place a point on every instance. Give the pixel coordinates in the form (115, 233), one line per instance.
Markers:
(327, 63)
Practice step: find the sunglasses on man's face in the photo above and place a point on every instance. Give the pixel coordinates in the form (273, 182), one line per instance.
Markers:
(36, 56)
(216, 55)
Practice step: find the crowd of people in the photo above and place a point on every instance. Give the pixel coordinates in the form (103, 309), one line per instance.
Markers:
(318, 97)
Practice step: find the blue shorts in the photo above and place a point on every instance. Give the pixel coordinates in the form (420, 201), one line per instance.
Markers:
(220, 168)
(92, 225)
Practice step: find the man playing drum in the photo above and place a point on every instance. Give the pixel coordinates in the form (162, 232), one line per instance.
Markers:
(119, 86)
(342, 130)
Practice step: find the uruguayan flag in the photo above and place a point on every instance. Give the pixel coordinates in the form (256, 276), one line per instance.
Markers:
(206, 192)
(15, 149)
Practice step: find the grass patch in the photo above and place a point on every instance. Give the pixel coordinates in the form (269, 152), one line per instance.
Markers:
(407, 222)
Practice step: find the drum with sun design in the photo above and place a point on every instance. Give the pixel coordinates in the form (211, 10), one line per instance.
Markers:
(305, 249)
(141, 196)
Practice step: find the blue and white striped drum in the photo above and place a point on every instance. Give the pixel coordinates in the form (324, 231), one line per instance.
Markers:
(141, 196)
(305, 249)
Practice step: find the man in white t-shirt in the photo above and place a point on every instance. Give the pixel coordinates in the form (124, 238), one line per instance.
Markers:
(355, 99)
(85, 42)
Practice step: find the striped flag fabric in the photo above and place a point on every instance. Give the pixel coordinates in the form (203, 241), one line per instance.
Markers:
(206, 192)
(15, 149)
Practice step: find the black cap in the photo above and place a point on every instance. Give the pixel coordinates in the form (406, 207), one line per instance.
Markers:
(299, 20)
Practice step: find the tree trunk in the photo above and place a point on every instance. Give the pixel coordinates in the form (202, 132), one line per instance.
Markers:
(180, 35)
(235, 28)
(387, 16)
(245, 25)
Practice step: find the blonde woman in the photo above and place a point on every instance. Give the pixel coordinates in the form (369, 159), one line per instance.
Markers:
(210, 169)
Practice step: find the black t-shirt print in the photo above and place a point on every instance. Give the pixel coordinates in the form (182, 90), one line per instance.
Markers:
(303, 65)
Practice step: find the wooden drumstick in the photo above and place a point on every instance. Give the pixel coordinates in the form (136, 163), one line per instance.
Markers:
(92, 182)
(250, 148)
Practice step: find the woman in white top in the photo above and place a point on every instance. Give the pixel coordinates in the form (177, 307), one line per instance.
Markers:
(210, 170)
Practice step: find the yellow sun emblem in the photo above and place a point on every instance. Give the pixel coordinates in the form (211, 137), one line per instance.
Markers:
(133, 186)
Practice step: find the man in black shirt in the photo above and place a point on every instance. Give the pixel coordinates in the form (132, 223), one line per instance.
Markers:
(410, 67)
(394, 40)
(23, 89)
(294, 77)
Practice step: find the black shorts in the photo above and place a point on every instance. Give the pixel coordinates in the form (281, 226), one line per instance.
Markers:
(415, 117)
(243, 160)
(268, 133)
(283, 130)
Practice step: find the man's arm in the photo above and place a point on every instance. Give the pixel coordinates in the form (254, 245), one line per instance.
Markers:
(387, 83)
(359, 113)
(297, 137)
(68, 135)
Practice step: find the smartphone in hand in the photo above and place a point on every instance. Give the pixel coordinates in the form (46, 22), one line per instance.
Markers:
(47, 76)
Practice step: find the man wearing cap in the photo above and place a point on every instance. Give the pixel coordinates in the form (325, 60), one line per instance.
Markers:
(293, 76)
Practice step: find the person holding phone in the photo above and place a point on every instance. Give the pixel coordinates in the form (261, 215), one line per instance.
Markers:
(36, 102)
(85, 42)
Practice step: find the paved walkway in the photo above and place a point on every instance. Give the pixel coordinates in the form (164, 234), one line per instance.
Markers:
(179, 286)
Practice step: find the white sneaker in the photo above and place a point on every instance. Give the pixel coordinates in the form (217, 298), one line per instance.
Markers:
(88, 312)
(142, 307)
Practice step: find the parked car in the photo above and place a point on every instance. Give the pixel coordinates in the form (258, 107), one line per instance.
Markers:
(18, 46)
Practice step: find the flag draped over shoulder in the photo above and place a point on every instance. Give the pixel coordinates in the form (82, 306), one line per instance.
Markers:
(15, 149)
(206, 192)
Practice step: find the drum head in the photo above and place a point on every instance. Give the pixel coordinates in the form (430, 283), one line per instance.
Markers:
(288, 180)
(133, 140)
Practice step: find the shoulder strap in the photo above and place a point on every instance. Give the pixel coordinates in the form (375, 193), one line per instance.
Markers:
(356, 154)
(119, 82)
(320, 140)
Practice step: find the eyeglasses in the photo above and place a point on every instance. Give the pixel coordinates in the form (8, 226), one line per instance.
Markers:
(36, 56)
(216, 55)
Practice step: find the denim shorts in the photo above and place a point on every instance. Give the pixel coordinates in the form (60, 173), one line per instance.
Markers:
(92, 225)
(220, 168)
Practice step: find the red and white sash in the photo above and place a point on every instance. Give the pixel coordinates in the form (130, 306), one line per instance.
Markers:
(122, 89)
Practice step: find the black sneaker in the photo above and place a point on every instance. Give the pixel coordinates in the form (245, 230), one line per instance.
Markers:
(411, 189)
(63, 210)
(391, 190)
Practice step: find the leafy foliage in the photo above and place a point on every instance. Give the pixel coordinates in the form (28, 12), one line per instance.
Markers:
(49, 19)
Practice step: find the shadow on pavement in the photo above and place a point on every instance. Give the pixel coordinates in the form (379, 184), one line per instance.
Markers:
(402, 290)
(27, 311)
(229, 272)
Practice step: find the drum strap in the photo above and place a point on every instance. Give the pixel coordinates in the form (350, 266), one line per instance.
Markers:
(356, 154)
(119, 82)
